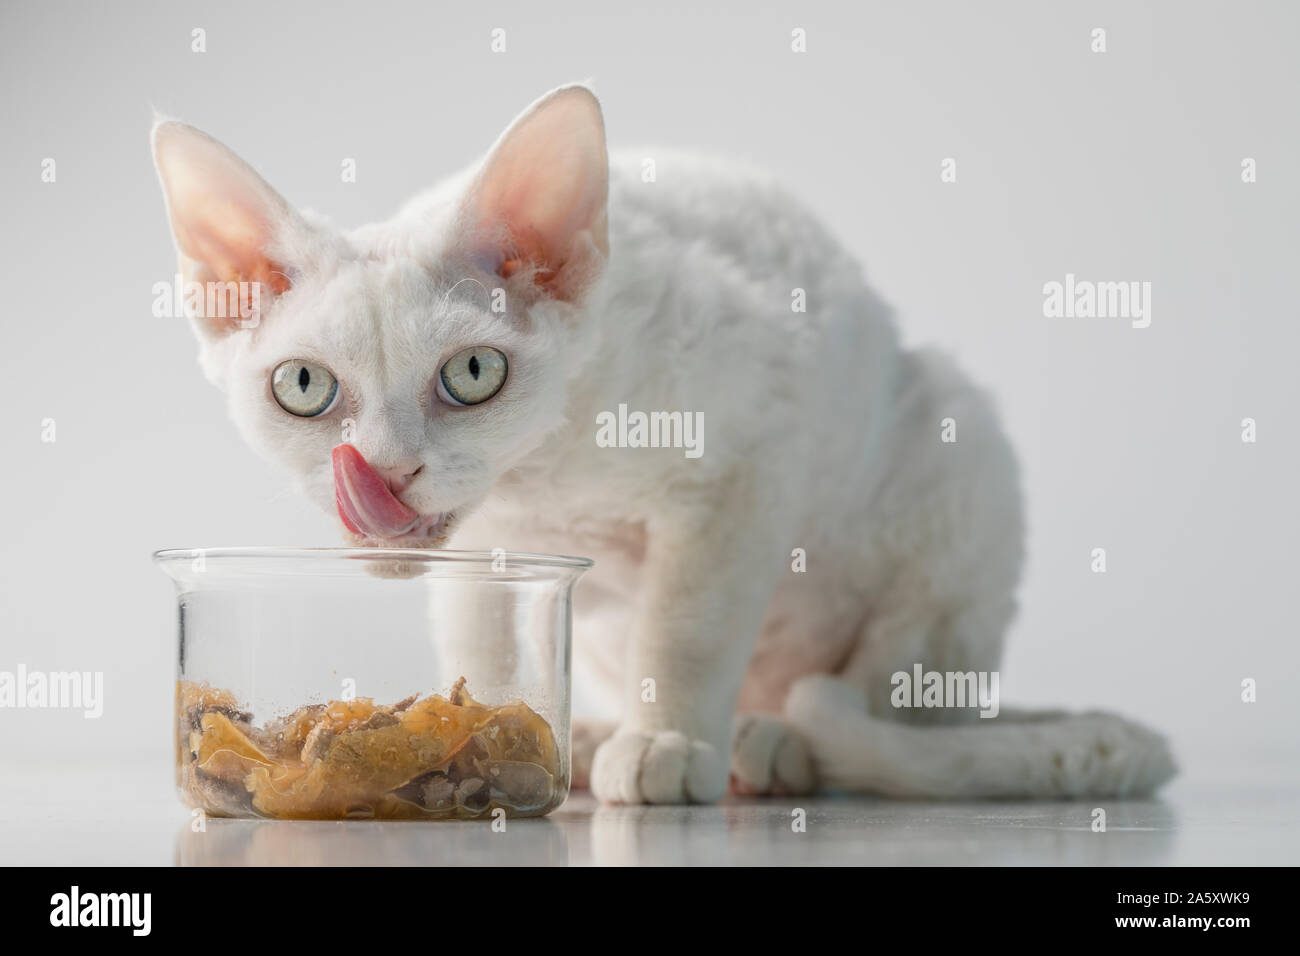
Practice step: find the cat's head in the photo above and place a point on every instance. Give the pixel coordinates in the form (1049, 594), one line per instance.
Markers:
(397, 371)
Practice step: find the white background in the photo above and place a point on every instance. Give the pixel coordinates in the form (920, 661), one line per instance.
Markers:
(1119, 166)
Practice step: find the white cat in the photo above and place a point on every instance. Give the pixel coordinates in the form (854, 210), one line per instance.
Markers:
(821, 445)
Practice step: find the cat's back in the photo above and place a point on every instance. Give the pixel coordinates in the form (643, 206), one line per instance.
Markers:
(673, 203)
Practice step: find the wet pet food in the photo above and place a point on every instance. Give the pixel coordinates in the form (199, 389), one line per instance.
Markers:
(429, 758)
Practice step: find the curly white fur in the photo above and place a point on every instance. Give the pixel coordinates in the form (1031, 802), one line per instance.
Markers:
(823, 435)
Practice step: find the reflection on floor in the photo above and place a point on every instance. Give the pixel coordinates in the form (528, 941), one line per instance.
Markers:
(133, 818)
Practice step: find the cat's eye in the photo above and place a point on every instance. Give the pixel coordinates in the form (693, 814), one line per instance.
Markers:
(473, 375)
(303, 388)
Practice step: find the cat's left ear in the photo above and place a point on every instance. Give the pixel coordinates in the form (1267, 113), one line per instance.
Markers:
(538, 204)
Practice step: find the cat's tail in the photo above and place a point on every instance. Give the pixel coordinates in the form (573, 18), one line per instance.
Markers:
(1016, 754)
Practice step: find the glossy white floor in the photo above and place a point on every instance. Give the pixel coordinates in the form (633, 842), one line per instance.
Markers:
(97, 817)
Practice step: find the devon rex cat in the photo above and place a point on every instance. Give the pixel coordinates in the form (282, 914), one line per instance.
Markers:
(476, 340)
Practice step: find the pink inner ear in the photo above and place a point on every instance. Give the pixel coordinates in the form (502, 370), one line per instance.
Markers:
(546, 181)
(229, 239)
(223, 214)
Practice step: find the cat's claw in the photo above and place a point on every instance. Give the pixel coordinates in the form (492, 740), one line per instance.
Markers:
(662, 766)
(769, 757)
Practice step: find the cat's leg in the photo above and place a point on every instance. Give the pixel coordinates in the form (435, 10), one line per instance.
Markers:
(490, 662)
(707, 579)
(1020, 756)
(863, 745)
(601, 617)
(588, 734)
(473, 634)
(769, 756)
(862, 742)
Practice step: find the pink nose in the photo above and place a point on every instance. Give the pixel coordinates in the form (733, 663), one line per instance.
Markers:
(399, 477)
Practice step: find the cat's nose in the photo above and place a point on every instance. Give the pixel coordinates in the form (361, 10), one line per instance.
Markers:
(399, 477)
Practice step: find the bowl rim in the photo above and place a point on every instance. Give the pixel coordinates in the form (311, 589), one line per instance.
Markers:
(431, 556)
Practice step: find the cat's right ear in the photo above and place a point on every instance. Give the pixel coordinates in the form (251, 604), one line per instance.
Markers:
(227, 222)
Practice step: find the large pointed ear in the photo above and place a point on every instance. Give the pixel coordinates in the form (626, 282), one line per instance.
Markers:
(226, 221)
(537, 205)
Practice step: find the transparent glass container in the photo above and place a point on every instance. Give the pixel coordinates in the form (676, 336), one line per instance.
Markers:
(354, 683)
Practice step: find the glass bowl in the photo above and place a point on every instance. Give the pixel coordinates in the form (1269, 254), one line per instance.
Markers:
(356, 683)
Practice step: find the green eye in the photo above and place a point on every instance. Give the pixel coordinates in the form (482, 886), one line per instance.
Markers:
(303, 388)
(473, 375)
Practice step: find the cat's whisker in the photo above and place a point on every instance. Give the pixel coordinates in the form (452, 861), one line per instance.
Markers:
(457, 285)
(286, 491)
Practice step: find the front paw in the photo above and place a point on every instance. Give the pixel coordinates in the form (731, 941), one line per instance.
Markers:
(769, 758)
(662, 766)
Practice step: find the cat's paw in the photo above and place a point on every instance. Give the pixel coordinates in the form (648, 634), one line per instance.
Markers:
(1110, 756)
(587, 736)
(768, 756)
(662, 766)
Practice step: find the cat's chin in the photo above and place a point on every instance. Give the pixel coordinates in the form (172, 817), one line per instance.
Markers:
(429, 532)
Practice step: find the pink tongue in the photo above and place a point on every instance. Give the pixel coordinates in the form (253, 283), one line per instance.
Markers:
(366, 505)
